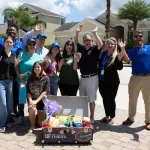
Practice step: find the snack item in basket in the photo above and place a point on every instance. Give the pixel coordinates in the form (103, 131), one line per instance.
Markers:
(62, 119)
(54, 122)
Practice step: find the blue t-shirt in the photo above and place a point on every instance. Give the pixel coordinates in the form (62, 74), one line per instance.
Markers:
(27, 63)
(16, 48)
(140, 58)
(103, 61)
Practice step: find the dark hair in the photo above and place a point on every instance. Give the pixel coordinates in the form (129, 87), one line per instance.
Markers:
(7, 37)
(58, 56)
(33, 75)
(13, 25)
(65, 51)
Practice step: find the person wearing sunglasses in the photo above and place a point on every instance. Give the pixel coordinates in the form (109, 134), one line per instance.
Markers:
(88, 67)
(140, 79)
(24, 69)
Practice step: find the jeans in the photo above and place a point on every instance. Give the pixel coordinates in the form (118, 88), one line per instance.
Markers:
(5, 101)
(53, 85)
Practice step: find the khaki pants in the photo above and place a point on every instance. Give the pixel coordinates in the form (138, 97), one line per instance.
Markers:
(137, 84)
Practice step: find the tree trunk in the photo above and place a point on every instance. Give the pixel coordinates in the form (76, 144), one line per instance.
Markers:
(107, 25)
(134, 26)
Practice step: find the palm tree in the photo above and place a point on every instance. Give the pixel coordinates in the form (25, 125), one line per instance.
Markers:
(21, 17)
(134, 10)
(107, 25)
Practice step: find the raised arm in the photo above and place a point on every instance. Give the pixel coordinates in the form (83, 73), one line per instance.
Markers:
(123, 51)
(79, 28)
(29, 34)
(98, 39)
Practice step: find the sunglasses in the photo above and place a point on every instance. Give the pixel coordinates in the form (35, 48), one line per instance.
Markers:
(138, 36)
(31, 44)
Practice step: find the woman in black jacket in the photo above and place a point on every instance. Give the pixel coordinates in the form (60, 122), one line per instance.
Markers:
(109, 62)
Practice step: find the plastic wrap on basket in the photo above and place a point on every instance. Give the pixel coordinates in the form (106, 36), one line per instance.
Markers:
(52, 107)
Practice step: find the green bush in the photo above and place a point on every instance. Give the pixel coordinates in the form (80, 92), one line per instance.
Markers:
(47, 46)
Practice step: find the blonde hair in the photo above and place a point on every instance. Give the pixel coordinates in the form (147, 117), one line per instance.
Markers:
(112, 39)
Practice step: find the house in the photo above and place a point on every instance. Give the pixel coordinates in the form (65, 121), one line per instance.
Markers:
(52, 20)
(118, 29)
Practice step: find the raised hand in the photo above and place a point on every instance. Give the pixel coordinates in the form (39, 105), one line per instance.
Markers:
(77, 56)
(79, 28)
(18, 60)
(38, 28)
(120, 55)
(95, 30)
(120, 43)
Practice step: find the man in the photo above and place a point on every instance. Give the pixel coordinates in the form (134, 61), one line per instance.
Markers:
(17, 47)
(140, 79)
(88, 67)
(40, 40)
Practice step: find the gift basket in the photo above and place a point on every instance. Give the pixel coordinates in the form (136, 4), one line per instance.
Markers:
(66, 120)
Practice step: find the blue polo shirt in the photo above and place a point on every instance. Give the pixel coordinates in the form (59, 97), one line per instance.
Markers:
(16, 48)
(140, 58)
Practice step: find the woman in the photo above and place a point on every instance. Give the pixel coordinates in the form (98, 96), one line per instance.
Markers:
(68, 77)
(7, 71)
(24, 69)
(110, 61)
(52, 66)
(37, 88)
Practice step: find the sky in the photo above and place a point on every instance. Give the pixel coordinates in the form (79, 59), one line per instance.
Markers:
(73, 10)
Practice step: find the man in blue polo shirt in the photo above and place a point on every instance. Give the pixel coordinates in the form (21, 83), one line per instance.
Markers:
(18, 45)
(140, 79)
(16, 48)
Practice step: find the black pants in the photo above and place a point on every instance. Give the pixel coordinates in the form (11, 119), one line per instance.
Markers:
(108, 93)
(68, 90)
(15, 95)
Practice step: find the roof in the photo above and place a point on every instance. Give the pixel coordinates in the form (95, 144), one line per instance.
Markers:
(66, 26)
(42, 11)
(144, 24)
(3, 28)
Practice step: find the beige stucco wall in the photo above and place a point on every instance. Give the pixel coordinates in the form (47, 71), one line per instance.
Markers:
(88, 26)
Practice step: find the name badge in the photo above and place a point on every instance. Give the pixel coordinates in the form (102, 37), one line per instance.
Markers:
(102, 72)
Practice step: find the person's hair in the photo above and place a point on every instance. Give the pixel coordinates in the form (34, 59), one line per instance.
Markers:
(33, 75)
(138, 32)
(58, 56)
(112, 39)
(7, 37)
(65, 51)
(85, 35)
(13, 25)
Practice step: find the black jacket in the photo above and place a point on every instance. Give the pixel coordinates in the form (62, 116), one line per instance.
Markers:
(111, 75)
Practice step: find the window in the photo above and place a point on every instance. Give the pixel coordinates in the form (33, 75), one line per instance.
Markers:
(62, 21)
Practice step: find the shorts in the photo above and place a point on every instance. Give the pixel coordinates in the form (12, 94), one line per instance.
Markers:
(40, 106)
(88, 87)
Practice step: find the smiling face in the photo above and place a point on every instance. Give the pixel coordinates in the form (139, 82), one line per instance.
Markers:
(138, 38)
(31, 46)
(87, 41)
(111, 46)
(11, 31)
(69, 47)
(37, 69)
(8, 42)
(40, 41)
(55, 51)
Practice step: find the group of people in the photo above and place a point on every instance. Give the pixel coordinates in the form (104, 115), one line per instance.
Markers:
(32, 65)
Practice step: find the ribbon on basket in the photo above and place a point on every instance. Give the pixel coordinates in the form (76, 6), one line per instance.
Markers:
(52, 107)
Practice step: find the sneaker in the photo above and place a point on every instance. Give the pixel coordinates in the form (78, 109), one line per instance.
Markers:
(147, 127)
(2, 129)
(105, 120)
(128, 122)
(92, 121)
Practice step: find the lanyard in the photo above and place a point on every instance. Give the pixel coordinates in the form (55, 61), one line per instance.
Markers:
(105, 60)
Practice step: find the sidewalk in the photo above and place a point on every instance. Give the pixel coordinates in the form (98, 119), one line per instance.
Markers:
(117, 137)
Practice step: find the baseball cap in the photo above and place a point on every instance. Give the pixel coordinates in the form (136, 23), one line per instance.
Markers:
(31, 40)
(41, 35)
(55, 44)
